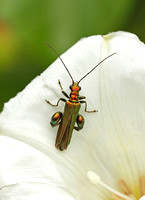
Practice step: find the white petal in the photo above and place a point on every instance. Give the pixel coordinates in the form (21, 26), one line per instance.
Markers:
(112, 141)
(30, 191)
(142, 198)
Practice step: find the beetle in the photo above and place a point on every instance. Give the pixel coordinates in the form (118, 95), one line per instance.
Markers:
(70, 116)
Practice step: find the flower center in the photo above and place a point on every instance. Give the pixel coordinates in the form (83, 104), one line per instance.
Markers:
(116, 195)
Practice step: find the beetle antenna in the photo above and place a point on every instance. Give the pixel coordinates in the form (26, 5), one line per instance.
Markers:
(95, 67)
(60, 60)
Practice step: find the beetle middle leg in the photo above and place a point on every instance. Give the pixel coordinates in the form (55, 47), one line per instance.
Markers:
(80, 122)
(86, 107)
(82, 97)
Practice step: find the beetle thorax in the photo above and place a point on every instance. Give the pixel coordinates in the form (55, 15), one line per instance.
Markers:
(74, 95)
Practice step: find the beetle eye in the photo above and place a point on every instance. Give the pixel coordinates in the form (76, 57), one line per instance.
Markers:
(79, 88)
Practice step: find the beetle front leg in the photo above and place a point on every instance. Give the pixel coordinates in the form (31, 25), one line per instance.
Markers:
(86, 107)
(63, 92)
(80, 123)
(61, 99)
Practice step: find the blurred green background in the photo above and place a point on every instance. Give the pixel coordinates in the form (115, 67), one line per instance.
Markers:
(26, 24)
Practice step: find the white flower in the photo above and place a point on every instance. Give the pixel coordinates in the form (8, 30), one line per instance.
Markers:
(112, 142)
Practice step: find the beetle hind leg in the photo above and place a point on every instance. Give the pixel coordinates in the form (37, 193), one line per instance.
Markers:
(80, 123)
(56, 119)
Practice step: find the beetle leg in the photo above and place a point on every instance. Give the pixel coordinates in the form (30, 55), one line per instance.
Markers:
(63, 92)
(61, 99)
(82, 97)
(86, 107)
(56, 119)
(80, 122)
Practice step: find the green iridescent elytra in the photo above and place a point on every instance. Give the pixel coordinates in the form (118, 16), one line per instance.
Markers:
(67, 124)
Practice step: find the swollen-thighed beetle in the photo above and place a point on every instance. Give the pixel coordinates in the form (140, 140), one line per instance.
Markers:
(70, 116)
